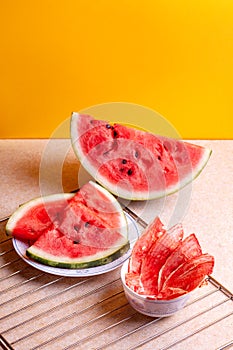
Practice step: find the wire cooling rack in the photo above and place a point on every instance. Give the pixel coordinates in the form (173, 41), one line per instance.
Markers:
(44, 311)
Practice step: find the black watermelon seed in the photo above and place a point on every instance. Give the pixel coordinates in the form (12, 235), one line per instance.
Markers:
(115, 133)
(159, 157)
(124, 161)
(130, 172)
(136, 154)
(76, 242)
(108, 126)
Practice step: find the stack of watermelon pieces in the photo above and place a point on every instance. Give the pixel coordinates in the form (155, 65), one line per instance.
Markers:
(81, 230)
(163, 265)
(89, 228)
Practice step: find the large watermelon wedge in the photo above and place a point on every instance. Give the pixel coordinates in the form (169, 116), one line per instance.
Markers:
(132, 163)
(77, 231)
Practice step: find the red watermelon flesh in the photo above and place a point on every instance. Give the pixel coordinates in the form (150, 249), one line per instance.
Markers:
(38, 222)
(97, 201)
(132, 163)
(91, 214)
(143, 245)
(188, 249)
(82, 225)
(160, 155)
(187, 276)
(57, 244)
(157, 256)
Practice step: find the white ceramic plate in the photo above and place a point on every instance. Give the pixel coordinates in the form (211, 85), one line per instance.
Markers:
(133, 233)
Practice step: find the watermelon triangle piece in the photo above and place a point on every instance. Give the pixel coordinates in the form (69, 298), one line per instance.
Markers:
(55, 249)
(34, 217)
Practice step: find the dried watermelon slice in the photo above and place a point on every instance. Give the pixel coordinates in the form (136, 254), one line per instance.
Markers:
(157, 256)
(187, 250)
(143, 245)
(132, 163)
(187, 277)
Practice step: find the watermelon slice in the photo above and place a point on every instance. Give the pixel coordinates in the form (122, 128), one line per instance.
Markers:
(142, 245)
(78, 231)
(170, 266)
(55, 249)
(31, 219)
(188, 249)
(132, 163)
(157, 256)
(187, 277)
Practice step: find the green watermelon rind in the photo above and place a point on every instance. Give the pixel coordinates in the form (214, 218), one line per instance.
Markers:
(24, 208)
(140, 196)
(99, 259)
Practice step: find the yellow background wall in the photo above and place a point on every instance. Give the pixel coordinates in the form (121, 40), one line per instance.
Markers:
(174, 56)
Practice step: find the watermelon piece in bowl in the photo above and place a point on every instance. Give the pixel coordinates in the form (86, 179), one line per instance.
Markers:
(132, 163)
